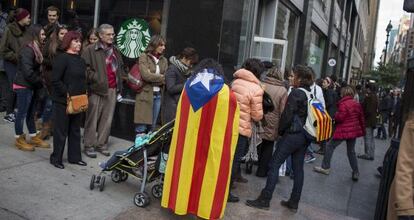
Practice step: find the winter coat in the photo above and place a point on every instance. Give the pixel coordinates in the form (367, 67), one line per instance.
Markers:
(278, 93)
(370, 106)
(11, 42)
(48, 63)
(331, 98)
(175, 78)
(249, 95)
(144, 99)
(28, 70)
(296, 105)
(385, 105)
(68, 77)
(349, 120)
(401, 199)
(96, 73)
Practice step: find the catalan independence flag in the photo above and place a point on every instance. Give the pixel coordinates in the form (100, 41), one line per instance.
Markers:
(205, 134)
(323, 122)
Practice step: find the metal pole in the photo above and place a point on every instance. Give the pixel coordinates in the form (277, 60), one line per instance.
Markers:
(386, 48)
(96, 13)
(35, 11)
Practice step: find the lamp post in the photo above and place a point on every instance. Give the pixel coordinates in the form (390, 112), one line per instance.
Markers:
(388, 29)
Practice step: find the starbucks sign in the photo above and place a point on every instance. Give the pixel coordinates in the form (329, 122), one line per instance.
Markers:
(133, 37)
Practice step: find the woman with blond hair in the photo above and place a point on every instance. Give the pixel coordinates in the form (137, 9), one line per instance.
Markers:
(349, 125)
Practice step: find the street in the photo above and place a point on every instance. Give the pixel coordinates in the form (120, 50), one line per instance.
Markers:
(31, 188)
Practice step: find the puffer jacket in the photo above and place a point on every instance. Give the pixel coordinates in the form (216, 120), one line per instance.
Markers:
(28, 70)
(249, 95)
(278, 93)
(349, 119)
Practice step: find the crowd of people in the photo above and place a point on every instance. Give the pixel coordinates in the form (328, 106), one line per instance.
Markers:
(45, 65)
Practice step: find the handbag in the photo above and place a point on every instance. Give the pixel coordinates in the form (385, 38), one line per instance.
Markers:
(135, 81)
(267, 103)
(77, 104)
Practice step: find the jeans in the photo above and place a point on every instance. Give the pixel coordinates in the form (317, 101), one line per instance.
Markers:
(242, 142)
(47, 111)
(4, 90)
(290, 145)
(25, 110)
(156, 106)
(265, 150)
(381, 130)
(369, 143)
(350, 149)
(11, 70)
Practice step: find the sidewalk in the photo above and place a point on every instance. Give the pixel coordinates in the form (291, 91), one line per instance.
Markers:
(31, 188)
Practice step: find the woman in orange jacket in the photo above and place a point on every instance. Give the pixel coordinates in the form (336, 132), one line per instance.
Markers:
(249, 95)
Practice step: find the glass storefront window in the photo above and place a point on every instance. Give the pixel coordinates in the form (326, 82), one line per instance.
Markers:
(316, 50)
(116, 12)
(275, 33)
(80, 17)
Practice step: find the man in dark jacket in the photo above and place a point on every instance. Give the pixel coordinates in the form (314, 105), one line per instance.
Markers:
(104, 70)
(384, 109)
(10, 44)
(370, 106)
(53, 14)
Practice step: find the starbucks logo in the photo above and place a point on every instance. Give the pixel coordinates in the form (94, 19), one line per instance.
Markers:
(133, 37)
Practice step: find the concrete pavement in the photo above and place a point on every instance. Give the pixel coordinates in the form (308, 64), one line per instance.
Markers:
(31, 188)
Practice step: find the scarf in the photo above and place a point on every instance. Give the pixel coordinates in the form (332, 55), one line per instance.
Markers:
(36, 49)
(181, 66)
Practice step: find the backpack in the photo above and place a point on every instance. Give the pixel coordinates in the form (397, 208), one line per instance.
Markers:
(318, 123)
(135, 81)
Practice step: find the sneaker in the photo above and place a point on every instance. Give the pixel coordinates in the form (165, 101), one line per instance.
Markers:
(9, 118)
(102, 165)
(321, 170)
(309, 158)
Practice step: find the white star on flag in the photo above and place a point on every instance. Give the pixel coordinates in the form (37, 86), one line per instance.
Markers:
(204, 77)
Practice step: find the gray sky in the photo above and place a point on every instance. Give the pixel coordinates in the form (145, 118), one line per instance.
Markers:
(389, 10)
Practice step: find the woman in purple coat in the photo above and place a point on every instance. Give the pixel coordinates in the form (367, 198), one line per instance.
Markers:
(350, 124)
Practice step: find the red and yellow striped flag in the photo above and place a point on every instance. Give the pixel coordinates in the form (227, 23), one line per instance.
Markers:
(198, 170)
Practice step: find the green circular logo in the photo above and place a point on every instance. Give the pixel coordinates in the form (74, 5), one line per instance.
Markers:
(133, 37)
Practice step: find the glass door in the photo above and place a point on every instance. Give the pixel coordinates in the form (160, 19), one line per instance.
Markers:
(270, 49)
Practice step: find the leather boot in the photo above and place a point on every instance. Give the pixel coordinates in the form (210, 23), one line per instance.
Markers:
(38, 142)
(21, 144)
(262, 202)
(45, 131)
(292, 204)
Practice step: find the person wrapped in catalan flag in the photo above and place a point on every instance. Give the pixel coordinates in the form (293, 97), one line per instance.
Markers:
(205, 134)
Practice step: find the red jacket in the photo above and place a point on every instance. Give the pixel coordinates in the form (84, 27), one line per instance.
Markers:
(349, 119)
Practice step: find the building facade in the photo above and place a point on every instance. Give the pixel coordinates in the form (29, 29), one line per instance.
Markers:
(334, 37)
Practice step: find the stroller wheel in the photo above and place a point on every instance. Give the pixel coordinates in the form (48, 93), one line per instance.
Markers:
(157, 191)
(124, 176)
(92, 183)
(116, 176)
(102, 183)
(141, 199)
